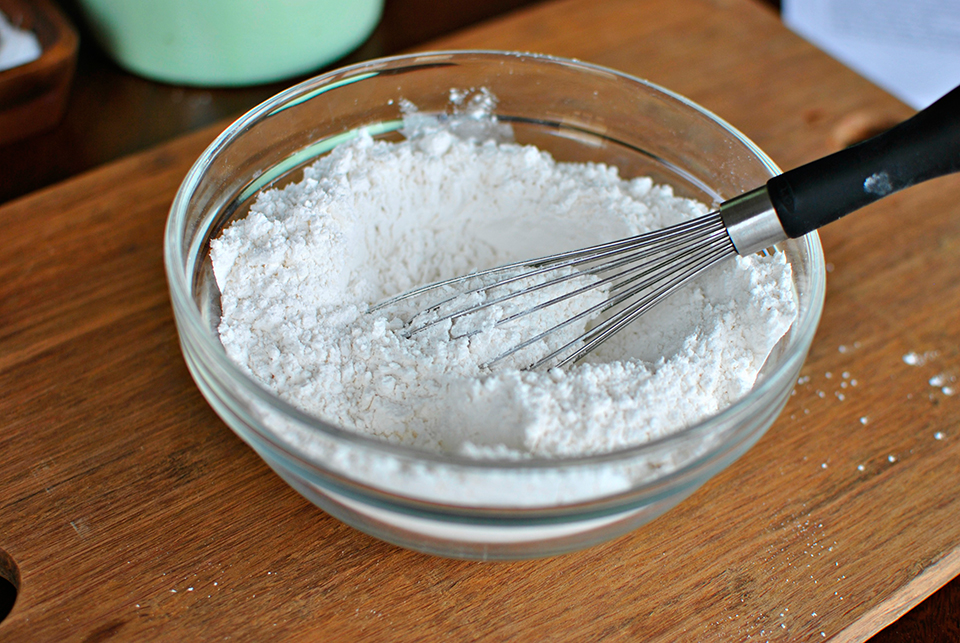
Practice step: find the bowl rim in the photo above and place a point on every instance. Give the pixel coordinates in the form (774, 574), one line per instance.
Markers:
(187, 312)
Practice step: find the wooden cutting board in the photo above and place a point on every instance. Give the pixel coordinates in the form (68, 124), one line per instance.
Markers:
(129, 511)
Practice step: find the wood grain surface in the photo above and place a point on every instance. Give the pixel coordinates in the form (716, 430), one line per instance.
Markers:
(131, 512)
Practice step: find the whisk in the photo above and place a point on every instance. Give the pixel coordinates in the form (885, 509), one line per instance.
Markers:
(639, 272)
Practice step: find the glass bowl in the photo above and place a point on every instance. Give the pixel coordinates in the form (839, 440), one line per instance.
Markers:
(453, 505)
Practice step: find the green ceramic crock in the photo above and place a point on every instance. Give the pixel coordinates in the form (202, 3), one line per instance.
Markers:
(229, 42)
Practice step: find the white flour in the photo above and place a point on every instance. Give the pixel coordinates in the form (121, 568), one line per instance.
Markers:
(372, 219)
(17, 46)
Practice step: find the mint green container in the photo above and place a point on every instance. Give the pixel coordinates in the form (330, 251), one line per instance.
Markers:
(229, 42)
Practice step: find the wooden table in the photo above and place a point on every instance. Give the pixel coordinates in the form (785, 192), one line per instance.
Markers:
(128, 511)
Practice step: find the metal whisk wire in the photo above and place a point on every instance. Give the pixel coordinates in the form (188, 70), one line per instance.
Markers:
(637, 273)
(671, 273)
(649, 267)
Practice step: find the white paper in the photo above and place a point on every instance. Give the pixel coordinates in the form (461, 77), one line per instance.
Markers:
(911, 48)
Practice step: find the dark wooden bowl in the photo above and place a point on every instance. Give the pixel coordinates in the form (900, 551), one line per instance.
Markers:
(33, 96)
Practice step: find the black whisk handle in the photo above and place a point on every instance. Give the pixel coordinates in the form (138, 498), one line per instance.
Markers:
(923, 147)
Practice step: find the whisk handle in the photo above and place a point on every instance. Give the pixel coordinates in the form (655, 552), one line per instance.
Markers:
(923, 147)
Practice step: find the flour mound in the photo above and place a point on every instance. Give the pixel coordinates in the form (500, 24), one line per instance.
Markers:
(373, 219)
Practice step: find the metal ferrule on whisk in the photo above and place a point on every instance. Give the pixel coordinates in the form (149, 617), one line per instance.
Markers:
(752, 222)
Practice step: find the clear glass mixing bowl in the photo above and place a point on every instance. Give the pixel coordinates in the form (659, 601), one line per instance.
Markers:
(448, 505)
